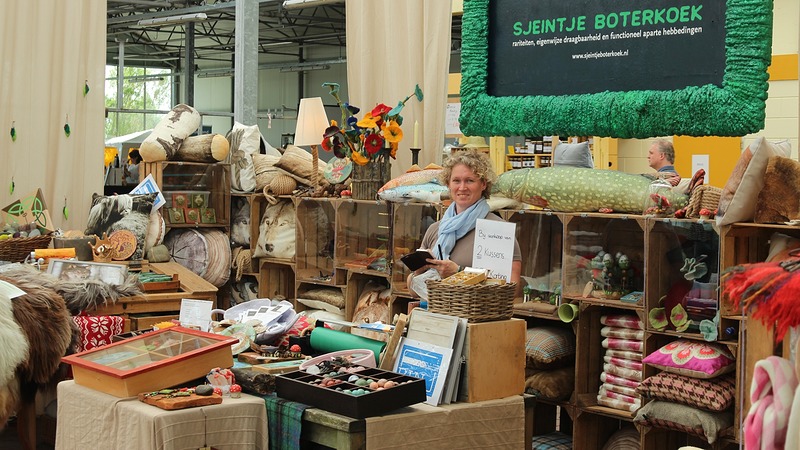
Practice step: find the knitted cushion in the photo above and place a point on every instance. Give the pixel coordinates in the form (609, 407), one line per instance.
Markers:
(692, 358)
(96, 331)
(712, 395)
(549, 347)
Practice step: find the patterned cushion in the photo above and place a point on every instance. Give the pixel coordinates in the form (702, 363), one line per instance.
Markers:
(549, 347)
(622, 321)
(673, 416)
(622, 333)
(552, 441)
(712, 395)
(96, 331)
(692, 358)
(297, 329)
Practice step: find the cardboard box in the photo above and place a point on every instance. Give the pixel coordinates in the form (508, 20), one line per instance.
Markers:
(495, 361)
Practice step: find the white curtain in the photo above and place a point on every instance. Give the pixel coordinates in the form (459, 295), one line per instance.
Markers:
(49, 50)
(391, 47)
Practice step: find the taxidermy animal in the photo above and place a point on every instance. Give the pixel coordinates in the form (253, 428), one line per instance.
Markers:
(36, 331)
(428, 192)
(574, 189)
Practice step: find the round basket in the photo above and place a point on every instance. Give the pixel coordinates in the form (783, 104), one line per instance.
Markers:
(17, 249)
(476, 303)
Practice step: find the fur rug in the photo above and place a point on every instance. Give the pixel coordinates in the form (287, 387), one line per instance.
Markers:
(84, 295)
(14, 349)
(779, 200)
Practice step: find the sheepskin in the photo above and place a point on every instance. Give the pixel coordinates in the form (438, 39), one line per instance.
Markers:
(778, 201)
(14, 348)
(84, 295)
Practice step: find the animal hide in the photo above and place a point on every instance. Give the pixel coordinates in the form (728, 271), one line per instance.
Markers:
(14, 349)
(84, 295)
(779, 200)
(9, 400)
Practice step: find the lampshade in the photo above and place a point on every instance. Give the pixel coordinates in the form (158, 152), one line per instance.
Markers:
(311, 122)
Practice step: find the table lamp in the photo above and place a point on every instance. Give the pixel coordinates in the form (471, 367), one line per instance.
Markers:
(311, 125)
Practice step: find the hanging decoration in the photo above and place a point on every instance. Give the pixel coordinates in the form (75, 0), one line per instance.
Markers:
(65, 210)
(11, 187)
(66, 127)
(13, 131)
(85, 87)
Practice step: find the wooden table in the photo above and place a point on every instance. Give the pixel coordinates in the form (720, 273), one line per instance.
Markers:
(192, 286)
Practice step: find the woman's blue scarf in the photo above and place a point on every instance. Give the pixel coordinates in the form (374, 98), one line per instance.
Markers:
(455, 226)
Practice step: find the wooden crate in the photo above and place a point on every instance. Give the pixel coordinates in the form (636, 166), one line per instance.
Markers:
(587, 234)
(541, 238)
(276, 279)
(362, 233)
(669, 243)
(315, 237)
(356, 282)
(495, 360)
(591, 430)
(409, 223)
(146, 321)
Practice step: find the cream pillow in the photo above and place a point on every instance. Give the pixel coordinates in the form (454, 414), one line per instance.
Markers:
(245, 141)
(737, 202)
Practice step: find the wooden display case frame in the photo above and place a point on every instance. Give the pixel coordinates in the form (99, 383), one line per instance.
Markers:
(310, 261)
(362, 232)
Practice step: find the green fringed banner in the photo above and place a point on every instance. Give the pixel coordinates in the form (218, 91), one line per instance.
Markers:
(735, 108)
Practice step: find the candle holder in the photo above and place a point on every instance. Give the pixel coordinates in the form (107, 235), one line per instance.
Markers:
(415, 155)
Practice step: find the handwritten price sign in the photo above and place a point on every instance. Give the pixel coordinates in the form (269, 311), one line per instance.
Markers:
(494, 247)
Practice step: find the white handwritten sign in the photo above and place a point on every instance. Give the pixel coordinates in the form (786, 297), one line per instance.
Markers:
(494, 247)
(196, 312)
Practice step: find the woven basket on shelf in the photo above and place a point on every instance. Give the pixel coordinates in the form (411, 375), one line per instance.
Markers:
(17, 249)
(703, 197)
(476, 303)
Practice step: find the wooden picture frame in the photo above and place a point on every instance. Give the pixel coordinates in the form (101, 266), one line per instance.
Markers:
(176, 216)
(192, 215)
(735, 108)
(199, 201)
(208, 215)
(70, 270)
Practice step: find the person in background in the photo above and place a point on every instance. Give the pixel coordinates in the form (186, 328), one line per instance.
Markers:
(469, 176)
(132, 168)
(661, 158)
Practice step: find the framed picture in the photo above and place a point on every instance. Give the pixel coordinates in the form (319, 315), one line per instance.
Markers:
(69, 270)
(199, 201)
(176, 215)
(208, 215)
(179, 200)
(192, 215)
(714, 84)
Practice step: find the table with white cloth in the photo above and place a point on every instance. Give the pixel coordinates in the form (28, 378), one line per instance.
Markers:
(90, 419)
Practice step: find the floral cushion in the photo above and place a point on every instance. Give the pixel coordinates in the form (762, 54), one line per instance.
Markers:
(673, 416)
(712, 395)
(692, 358)
(549, 347)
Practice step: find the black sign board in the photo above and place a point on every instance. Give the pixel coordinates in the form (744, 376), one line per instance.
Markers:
(558, 47)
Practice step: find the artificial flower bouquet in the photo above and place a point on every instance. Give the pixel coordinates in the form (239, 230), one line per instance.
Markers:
(371, 138)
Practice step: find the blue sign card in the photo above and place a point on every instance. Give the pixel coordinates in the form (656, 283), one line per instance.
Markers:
(427, 361)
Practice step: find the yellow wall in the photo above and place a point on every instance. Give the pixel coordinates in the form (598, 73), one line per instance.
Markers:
(720, 151)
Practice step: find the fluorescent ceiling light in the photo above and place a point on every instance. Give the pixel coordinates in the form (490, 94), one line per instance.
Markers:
(305, 68)
(197, 17)
(299, 4)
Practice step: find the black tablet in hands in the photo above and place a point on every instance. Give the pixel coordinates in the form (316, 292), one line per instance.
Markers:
(416, 259)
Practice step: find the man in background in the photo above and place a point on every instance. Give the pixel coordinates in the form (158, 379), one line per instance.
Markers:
(661, 158)
(132, 168)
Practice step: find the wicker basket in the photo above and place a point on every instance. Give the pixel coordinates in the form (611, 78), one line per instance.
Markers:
(703, 197)
(17, 249)
(476, 303)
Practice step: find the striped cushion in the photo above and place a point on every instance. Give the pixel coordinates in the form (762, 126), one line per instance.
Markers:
(624, 439)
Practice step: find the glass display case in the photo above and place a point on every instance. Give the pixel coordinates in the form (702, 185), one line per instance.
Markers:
(314, 259)
(197, 194)
(362, 236)
(151, 361)
(409, 223)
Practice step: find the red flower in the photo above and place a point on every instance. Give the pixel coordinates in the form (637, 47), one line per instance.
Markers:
(380, 110)
(373, 142)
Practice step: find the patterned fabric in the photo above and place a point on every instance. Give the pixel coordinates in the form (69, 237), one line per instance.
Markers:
(296, 330)
(96, 331)
(624, 354)
(618, 389)
(630, 374)
(771, 395)
(549, 347)
(712, 395)
(692, 358)
(673, 416)
(285, 422)
(622, 362)
(619, 381)
(617, 404)
(552, 441)
(622, 321)
(633, 400)
(623, 344)
(622, 333)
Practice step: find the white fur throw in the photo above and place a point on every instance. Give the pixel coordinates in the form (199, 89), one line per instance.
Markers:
(14, 349)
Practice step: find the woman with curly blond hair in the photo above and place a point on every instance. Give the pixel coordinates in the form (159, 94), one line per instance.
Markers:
(469, 176)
